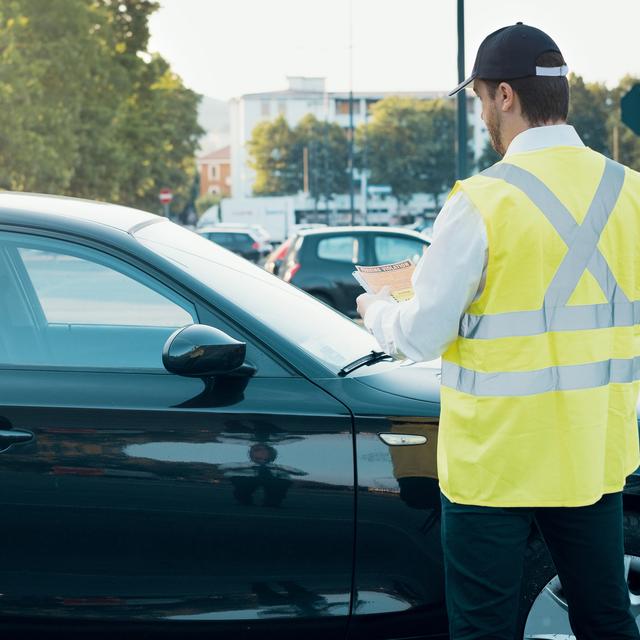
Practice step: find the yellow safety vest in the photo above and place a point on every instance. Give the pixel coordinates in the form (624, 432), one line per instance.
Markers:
(539, 389)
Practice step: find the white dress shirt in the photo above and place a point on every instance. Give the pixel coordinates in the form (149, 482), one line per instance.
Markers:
(452, 272)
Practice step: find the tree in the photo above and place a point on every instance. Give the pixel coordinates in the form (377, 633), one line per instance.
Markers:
(438, 149)
(272, 154)
(40, 100)
(488, 157)
(86, 110)
(411, 146)
(159, 131)
(328, 153)
(277, 155)
(589, 111)
(629, 142)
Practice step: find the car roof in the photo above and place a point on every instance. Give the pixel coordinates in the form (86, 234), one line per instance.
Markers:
(330, 231)
(225, 230)
(237, 225)
(49, 208)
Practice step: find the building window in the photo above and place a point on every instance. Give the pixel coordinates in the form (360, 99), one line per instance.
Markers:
(265, 108)
(342, 107)
(213, 172)
(282, 108)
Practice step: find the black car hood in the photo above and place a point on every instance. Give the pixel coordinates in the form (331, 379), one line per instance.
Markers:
(420, 381)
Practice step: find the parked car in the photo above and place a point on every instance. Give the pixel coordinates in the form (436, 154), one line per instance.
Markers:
(258, 229)
(273, 262)
(242, 241)
(190, 445)
(422, 225)
(321, 261)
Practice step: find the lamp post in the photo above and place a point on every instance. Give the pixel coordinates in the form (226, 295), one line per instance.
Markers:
(462, 99)
(351, 136)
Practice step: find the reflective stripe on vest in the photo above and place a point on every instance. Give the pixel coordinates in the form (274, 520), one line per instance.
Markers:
(583, 254)
(528, 383)
(582, 240)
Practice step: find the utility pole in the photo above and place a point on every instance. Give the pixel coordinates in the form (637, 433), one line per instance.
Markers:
(364, 169)
(325, 157)
(616, 143)
(351, 136)
(305, 169)
(462, 99)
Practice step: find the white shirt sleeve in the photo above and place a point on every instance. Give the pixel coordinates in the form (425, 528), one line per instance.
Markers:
(447, 278)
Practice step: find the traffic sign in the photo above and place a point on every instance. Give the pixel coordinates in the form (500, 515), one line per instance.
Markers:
(166, 196)
(630, 107)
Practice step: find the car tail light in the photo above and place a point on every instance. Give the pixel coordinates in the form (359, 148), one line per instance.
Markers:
(282, 251)
(291, 271)
(256, 246)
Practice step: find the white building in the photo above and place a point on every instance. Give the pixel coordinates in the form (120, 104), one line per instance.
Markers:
(308, 95)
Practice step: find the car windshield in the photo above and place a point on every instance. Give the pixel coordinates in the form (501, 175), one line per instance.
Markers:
(325, 334)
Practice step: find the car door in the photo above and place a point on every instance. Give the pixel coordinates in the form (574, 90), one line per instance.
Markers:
(133, 495)
(246, 246)
(336, 257)
(222, 239)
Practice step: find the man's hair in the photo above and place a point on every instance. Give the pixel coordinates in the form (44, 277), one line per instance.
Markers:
(542, 98)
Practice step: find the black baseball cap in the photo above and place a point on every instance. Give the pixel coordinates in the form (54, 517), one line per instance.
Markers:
(510, 53)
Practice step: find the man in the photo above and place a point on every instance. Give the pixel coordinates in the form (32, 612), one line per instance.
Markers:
(530, 292)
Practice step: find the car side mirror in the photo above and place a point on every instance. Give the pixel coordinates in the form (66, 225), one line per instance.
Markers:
(201, 351)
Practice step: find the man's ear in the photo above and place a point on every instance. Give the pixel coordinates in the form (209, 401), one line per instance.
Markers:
(507, 96)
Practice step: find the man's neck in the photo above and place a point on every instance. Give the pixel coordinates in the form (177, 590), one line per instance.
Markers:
(522, 126)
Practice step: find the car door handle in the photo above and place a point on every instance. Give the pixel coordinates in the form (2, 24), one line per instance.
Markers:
(10, 437)
(395, 439)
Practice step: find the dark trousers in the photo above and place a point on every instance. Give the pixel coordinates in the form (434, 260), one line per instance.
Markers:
(484, 551)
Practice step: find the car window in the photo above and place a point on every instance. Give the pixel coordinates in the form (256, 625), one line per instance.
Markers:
(340, 249)
(223, 239)
(242, 240)
(326, 335)
(84, 308)
(395, 248)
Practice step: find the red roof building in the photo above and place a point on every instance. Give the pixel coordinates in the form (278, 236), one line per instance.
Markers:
(215, 172)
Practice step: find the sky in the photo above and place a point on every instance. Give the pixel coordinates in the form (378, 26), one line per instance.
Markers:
(226, 48)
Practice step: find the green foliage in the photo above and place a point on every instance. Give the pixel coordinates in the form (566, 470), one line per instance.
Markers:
(488, 157)
(272, 150)
(588, 113)
(86, 111)
(595, 113)
(328, 153)
(411, 145)
(629, 142)
(277, 156)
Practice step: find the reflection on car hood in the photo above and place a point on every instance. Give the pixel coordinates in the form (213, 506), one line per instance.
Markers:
(420, 381)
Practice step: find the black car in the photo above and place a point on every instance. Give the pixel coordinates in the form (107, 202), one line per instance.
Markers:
(190, 445)
(321, 261)
(244, 242)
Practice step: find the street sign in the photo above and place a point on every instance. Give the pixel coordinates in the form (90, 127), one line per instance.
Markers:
(630, 107)
(166, 196)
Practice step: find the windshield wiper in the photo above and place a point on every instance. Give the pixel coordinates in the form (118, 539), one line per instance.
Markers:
(365, 361)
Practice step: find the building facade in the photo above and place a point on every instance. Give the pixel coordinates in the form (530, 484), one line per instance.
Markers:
(308, 95)
(215, 172)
